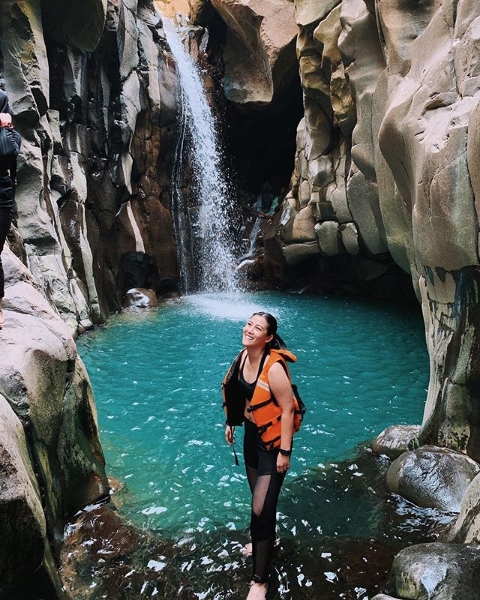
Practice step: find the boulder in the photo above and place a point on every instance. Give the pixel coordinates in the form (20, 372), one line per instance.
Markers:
(432, 477)
(52, 461)
(395, 440)
(22, 521)
(436, 571)
(140, 298)
(466, 529)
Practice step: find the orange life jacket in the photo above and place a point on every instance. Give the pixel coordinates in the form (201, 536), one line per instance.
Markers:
(264, 408)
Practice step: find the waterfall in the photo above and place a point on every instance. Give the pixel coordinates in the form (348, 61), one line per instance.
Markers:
(204, 239)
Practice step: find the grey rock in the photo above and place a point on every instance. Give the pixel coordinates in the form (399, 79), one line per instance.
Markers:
(432, 477)
(396, 439)
(437, 571)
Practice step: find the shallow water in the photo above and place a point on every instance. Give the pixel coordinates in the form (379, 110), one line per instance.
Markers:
(156, 376)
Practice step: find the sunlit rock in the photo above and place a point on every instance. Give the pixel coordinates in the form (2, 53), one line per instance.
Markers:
(140, 298)
(90, 101)
(308, 13)
(432, 477)
(259, 53)
(396, 439)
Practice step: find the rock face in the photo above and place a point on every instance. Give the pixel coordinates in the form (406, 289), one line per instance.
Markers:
(259, 52)
(52, 463)
(92, 90)
(93, 96)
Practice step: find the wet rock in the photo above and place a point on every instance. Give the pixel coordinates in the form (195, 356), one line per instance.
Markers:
(436, 571)
(395, 440)
(466, 529)
(432, 477)
(140, 298)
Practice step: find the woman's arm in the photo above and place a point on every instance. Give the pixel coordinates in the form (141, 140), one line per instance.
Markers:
(229, 434)
(282, 390)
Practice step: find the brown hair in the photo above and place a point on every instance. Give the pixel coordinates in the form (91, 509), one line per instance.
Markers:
(272, 326)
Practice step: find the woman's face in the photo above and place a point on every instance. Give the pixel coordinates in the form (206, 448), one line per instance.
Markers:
(255, 332)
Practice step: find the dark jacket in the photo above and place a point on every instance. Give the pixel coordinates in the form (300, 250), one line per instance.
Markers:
(8, 169)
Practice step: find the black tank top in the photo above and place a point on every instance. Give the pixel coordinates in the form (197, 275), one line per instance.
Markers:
(249, 388)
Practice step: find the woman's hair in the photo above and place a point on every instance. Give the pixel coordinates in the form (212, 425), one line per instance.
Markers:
(4, 106)
(272, 325)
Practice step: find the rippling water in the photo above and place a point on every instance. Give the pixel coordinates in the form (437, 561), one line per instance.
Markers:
(156, 376)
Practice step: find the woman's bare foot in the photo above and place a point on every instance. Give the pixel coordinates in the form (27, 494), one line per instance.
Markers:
(247, 550)
(258, 591)
(2, 318)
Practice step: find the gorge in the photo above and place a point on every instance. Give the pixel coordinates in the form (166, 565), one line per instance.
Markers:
(359, 119)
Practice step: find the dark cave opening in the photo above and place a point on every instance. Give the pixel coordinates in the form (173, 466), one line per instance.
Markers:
(262, 143)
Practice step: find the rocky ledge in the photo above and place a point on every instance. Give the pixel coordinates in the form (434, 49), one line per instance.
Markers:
(51, 461)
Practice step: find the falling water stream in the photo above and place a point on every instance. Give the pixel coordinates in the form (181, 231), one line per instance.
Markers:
(203, 235)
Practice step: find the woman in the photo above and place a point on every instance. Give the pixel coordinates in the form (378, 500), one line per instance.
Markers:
(257, 391)
(8, 168)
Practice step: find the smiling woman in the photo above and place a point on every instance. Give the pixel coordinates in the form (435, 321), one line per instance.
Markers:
(257, 382)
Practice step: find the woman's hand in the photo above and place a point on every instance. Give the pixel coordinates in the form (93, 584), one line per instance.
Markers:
(283, 463)
(5, 119)
(229, 434)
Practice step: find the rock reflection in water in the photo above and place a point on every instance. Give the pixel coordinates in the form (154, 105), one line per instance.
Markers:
(337, 542)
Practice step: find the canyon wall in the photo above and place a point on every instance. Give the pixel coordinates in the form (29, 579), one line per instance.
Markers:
(93, 95)
(92, 91)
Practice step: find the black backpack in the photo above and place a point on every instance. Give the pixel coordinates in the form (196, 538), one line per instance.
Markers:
(9, 148)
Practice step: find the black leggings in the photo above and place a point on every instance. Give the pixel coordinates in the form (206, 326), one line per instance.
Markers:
(265, 484)
(6, 215)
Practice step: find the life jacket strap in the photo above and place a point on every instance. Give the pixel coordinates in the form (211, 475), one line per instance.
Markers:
(235, 455)
(259, 405)
(263, 428)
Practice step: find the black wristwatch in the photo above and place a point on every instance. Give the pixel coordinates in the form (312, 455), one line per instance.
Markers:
(285, 452)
